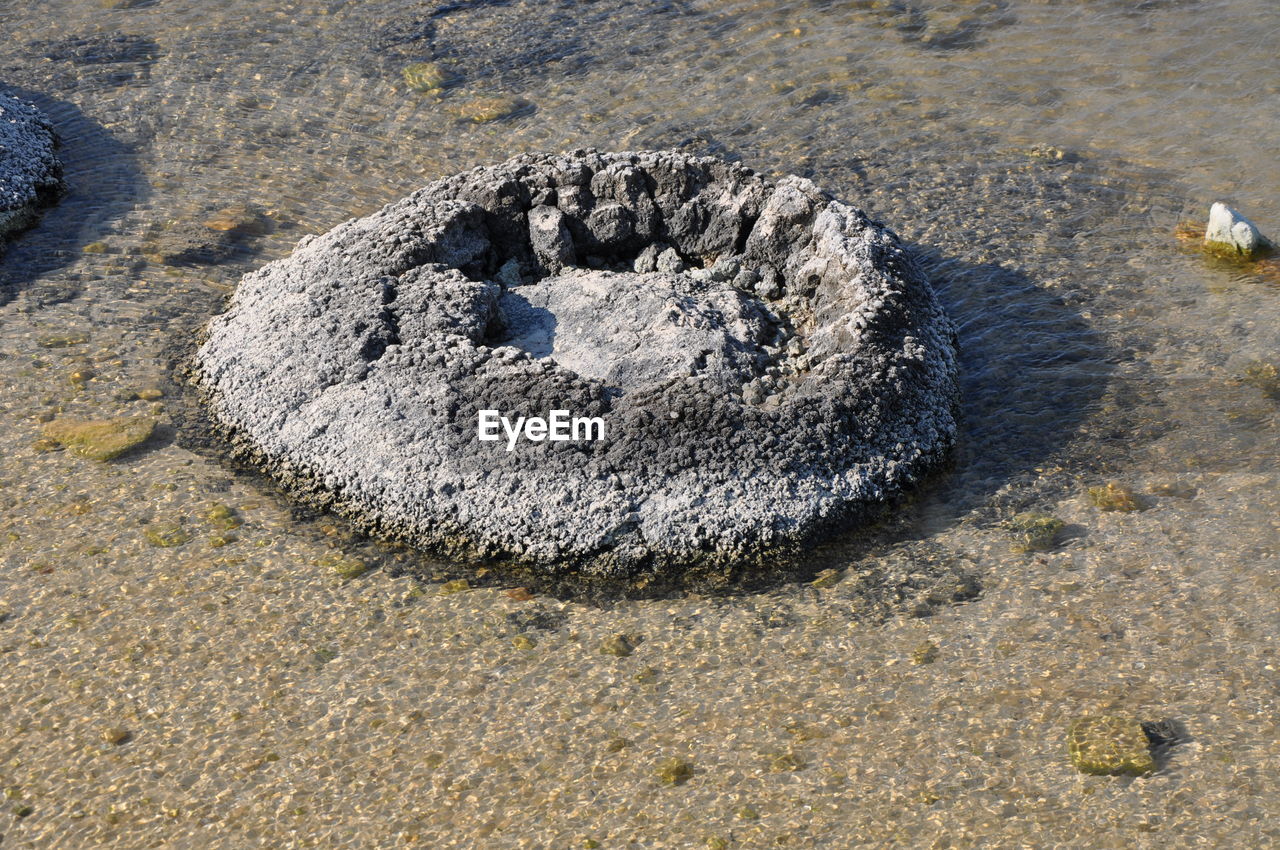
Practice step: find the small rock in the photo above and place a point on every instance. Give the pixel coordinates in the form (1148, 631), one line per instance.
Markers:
(925, 653)
(674, 771)
(647, 260)
(165, 534)
(617, 645)
(482, 110)
(349, 569)
(1033, 532)
(427, 77)
(458, 585)
(223, 516)
(1114, 497)
(101, 439)
(725, 269)
(116, 736)
(519, 594)
(669, 262)
(1231, 233)
(238, 221)
(1110, 745)
(149, 394)
(524, 642)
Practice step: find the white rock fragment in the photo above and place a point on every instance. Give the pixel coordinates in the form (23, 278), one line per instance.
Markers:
(1230, 230)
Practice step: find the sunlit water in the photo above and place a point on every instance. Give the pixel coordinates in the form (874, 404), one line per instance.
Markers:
(1038, 156)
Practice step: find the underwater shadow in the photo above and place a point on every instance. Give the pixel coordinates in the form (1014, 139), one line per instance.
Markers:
(104, 182)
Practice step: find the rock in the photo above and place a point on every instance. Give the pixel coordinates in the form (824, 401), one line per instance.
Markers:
(1229, 232)
(355, 371)
(482, 110)
(925, 653)
(116, 736)
(1109, 745)
(674, 771)
(669, 262)
(427, 77)
(1034, 532)
(30, 174)
(165, 534)
(619, 646)
(241, 220)
(101, 439)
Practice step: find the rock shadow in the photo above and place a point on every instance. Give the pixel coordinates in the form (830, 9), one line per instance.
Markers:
(530, 328)
(104, 181)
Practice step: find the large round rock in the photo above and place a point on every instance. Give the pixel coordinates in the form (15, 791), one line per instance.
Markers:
(30, 174)
(767, 364)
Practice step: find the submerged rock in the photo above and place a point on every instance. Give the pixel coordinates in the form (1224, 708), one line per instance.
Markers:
(30, 174)
(1231, 233)
(101, 439)
(1033, 532)
(724, 423)
(1108, 745)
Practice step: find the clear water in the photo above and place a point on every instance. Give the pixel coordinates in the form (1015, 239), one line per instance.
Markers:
(1039, 155)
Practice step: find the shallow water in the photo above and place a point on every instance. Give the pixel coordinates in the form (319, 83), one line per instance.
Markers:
(1038, 155)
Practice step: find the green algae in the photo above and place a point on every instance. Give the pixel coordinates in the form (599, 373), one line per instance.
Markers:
(165, 535)
(1114, 496)
(673, 771)
(101, 439)
(1109, 745)
(1033, 532)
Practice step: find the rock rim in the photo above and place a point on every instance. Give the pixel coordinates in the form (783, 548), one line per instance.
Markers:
(30, 173)
(770, 365)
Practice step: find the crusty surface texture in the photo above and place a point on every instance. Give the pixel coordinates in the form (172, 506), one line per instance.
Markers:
(769, 364)
(30, 174)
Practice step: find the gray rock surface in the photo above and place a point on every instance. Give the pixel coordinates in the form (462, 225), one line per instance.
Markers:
(737, 423)
(30, 174)
(1229, 230)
